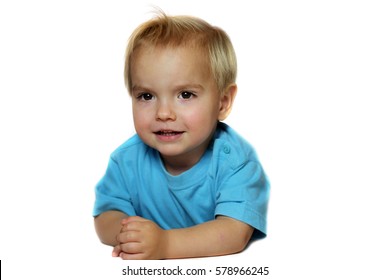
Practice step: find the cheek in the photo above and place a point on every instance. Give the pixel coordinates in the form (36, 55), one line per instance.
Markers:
(140, 119)
(200, 118)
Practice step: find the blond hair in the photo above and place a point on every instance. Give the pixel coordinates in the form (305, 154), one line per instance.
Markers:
(177, 31)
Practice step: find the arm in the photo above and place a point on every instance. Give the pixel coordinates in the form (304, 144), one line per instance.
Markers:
(219, 237)
(143, 239)
(108, 225)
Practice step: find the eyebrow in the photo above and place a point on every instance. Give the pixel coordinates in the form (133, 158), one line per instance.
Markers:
(138, 88)
(189, 86)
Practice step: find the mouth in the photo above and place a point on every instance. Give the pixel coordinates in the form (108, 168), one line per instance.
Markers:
(168, 132)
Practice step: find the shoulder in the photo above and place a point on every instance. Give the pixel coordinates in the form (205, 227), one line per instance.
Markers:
(233, 147)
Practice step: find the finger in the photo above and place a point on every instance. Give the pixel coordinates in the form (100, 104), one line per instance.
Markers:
(128, 236)
(132, 226)
(126, 256)
(130, 248)
(133, 219)
(116, 251)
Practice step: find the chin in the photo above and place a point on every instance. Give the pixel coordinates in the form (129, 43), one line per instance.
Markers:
(171, 153)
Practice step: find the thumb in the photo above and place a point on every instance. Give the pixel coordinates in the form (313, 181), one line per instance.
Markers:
(116, 251)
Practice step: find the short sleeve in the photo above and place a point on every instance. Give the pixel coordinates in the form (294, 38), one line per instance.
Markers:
(244, 194)
(112, 193)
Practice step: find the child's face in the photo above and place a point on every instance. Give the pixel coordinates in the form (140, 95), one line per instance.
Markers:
(176, 103)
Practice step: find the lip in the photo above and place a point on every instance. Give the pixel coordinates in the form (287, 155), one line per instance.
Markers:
(168, 135)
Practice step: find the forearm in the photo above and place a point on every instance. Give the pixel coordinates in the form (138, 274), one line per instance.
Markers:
(108, 225)
(219, 237)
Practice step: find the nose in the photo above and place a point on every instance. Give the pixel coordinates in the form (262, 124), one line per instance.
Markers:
(165, 112)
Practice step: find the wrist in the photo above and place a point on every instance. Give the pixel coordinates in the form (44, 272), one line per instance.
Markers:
(165, 244)
(169, 244)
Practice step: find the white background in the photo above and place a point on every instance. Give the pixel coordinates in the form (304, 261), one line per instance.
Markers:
(313, 99)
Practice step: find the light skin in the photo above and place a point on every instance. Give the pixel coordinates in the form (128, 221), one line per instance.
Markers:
(176, 106)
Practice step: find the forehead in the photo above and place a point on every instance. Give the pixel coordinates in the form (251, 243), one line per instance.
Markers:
(178, 60)
(187, 51)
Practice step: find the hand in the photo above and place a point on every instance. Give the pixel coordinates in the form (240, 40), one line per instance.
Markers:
(140, 239)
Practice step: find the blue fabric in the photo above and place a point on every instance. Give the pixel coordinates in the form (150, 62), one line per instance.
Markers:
(228, 180)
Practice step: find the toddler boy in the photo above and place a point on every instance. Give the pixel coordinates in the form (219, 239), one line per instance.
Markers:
(186, 185)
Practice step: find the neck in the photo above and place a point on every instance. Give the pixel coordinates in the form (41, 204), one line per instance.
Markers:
(178, 165)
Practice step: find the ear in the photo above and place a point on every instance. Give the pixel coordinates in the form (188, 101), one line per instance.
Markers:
(226, 101)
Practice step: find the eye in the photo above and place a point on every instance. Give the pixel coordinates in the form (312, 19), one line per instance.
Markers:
(145, 96)
(186, 95)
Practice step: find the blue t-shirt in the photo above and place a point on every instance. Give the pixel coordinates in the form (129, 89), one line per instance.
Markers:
(228, 180)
